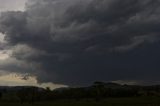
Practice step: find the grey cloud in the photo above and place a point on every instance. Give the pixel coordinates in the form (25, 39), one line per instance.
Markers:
(23, 52)
(8, 5)
(14, 65)
(77, 41)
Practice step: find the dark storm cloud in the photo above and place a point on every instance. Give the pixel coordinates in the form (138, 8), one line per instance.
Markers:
(77, 41)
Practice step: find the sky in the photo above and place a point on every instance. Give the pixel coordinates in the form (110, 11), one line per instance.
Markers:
(77, 42)
(12, 5)
(7, 77)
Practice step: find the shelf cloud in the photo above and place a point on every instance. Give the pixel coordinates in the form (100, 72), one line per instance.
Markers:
(76, 42)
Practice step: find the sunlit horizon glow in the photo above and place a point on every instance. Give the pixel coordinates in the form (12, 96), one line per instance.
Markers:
(15, 79)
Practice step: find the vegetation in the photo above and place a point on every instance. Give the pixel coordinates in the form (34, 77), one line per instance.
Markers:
(131, 101)
(110, 94)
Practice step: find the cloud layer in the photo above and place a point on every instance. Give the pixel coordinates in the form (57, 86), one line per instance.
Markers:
(77, 42)
(14, 79)
(8, 5)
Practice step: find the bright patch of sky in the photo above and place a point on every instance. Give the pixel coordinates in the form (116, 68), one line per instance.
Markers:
(14, 79)
(7, 5)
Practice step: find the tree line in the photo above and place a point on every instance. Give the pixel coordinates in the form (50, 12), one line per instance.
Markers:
(97, 92)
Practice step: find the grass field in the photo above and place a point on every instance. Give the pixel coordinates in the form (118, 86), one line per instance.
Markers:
(145, 101)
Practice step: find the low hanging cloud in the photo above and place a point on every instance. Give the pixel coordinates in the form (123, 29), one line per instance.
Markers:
(77, 42)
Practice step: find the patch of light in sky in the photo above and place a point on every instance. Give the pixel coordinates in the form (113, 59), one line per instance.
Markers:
(2, 38)
(4, 55)
(9, 5)
(16, 79)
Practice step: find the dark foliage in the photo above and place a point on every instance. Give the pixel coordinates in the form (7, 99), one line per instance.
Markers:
(98, 91)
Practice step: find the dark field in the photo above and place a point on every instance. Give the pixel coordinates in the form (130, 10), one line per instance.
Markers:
(133, 101)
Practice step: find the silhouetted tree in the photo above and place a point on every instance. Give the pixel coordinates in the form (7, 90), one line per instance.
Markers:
(22, 95)
(99, 89)
(0, 95)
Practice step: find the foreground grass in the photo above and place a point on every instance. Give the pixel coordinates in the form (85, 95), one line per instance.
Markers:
(143, 101)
